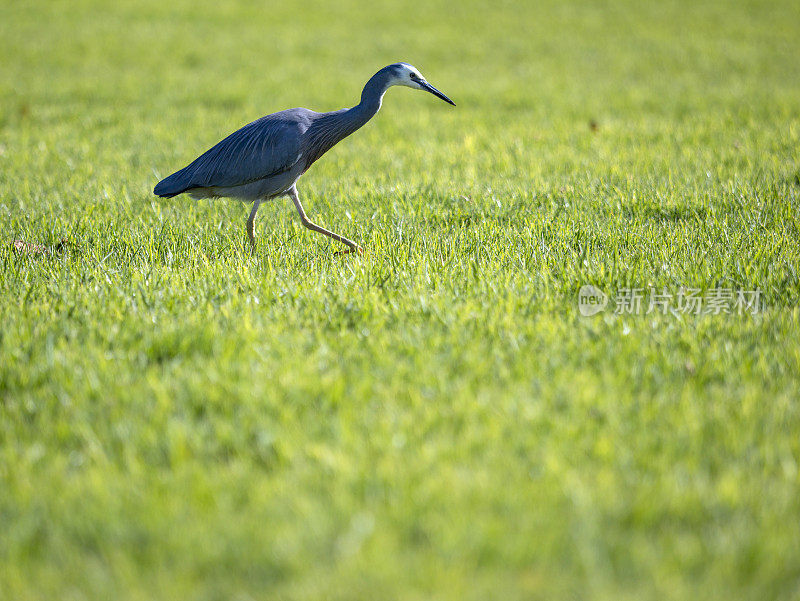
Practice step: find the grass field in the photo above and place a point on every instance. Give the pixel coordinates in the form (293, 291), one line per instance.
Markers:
(433, 419)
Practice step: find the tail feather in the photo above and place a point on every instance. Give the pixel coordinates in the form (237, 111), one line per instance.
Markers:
(175, 184)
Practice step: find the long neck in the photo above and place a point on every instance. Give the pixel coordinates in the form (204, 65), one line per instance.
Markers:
(347, 121)
(372, 95)
(336, 126)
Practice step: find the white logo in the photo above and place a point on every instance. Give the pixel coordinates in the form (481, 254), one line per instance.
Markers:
(591, 300)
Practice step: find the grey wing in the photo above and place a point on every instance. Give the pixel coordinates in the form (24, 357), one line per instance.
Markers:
(264, 148)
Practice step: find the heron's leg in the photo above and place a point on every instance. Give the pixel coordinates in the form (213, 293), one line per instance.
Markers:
(353, 247)
(251, 224)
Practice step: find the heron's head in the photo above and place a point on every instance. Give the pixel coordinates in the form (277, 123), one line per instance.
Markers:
(407, 75)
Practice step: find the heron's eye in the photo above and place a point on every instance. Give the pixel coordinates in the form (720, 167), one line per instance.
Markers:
(412, 75)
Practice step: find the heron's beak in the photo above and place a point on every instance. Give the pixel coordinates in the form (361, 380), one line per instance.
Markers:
(429, 88)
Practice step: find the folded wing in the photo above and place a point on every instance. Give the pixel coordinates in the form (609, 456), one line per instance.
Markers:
(264, 148)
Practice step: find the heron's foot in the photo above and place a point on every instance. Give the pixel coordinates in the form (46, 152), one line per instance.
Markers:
(352, 250)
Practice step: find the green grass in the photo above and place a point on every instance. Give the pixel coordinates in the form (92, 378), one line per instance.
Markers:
(433, 419)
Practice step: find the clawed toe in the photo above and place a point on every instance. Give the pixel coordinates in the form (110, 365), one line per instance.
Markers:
(357, 250)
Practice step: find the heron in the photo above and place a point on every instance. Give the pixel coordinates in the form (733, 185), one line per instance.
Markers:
(264, 159)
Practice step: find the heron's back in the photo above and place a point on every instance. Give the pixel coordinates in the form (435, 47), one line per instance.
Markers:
(261, 150)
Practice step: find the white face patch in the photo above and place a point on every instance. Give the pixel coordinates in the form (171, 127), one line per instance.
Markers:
(409, 76)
